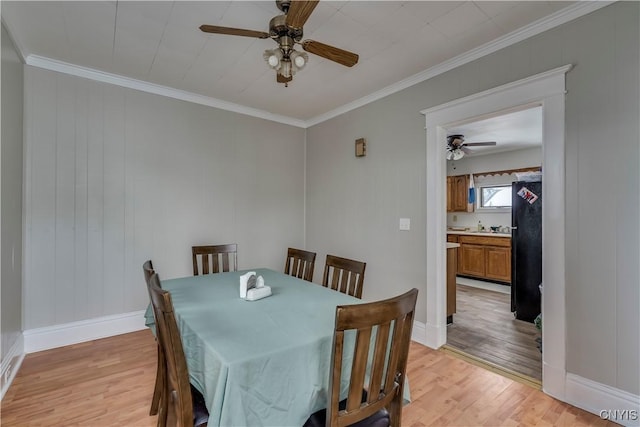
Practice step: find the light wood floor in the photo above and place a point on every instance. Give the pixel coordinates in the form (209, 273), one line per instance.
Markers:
(109, 382)
(484, 327)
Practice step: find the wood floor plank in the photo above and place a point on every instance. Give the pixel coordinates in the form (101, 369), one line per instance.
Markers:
(484, 327)
(110, 382)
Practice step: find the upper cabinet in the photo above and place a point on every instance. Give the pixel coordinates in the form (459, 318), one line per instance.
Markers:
(458, 194)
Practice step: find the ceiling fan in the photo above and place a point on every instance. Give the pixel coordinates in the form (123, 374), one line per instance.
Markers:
(286, 30)
(457, 148)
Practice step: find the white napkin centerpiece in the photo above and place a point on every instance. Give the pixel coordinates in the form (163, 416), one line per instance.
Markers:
(252, 287)
(244, 283)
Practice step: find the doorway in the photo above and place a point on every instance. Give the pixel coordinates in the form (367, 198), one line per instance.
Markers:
(546, 89)
(498, 151)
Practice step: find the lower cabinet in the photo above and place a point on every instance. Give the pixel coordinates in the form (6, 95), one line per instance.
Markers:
(472, 260)
(498, 263)
(485, 257)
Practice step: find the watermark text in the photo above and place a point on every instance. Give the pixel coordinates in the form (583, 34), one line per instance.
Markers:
(619, 414)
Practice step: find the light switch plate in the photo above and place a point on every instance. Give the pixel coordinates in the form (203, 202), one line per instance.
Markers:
(405, 224)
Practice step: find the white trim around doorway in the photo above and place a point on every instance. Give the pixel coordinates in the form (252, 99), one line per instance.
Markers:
(547, 90)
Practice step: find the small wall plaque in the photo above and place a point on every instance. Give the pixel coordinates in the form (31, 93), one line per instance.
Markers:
(361, 147)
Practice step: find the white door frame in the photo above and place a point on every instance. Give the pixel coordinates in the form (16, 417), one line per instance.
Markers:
(548, 90)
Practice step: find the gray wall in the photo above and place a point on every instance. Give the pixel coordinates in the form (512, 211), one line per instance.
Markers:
(11, 191)
(353, 205)
(115, 176)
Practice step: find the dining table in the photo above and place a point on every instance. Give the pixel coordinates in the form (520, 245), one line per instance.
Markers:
(257, 363)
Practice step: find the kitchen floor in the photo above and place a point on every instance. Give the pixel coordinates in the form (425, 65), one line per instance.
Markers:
(484, 327)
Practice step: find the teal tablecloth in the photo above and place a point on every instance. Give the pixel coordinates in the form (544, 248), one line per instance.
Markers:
(258, 363)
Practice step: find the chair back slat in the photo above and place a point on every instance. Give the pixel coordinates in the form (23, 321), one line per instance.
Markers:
(335, 280)
(228, 254)
(205, 263)
(225, 262)
(300, 264)
(378, 363)
(383, 364)
(296, 270)
(358, 368)
(344, 275)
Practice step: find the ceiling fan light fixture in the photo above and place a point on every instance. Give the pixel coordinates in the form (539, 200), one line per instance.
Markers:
(299, 59)
(455, 154)
(273, 58)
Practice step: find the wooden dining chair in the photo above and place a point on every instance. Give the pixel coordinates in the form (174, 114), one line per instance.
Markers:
(300, 264)
(183, 405)
(344, 275)
(375, 392)
(148, 271)
(228, 254)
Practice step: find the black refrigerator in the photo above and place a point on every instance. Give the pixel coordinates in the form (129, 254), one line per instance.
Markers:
(526, 249)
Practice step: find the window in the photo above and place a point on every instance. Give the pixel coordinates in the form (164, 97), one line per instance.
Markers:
(495, 196)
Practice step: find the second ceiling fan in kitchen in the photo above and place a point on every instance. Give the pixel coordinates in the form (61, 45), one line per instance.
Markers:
(286, 30)
(457, 148)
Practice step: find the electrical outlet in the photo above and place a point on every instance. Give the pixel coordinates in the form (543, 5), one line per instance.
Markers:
(455, 218)
(405, 224)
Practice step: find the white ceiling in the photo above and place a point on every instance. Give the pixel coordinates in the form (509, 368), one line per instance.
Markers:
(511, 131)
(159, 42)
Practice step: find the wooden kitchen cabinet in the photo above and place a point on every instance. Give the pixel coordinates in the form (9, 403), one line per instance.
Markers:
(498, 263)
(472, 260)
(485, 257)
(457, 193)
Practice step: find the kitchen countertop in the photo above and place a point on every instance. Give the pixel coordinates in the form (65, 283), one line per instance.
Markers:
(479, 233)
(451, 245)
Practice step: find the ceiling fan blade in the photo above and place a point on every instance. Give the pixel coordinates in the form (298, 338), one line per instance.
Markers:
(299, 11)
(331, 53)
(233, 31)
(466, 150)
(282, 79)
(479, 144)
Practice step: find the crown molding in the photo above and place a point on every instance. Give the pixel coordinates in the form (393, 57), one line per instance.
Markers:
(118, 80)
(556, 19)
(576, 10)
(10, 33)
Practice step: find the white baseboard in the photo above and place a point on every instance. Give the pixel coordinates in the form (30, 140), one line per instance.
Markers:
(86, 330)
(607, 402)
(11, 364)
(553, 381)
(419, 333)
(435, 336)
(428, 335)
